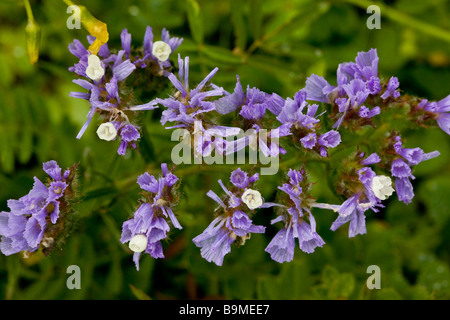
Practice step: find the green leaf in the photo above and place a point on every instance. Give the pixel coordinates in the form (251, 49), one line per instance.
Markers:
(255, 18)
(240, 29)
(221, 55)
(195, 20)
(138, 293)
(293, 282)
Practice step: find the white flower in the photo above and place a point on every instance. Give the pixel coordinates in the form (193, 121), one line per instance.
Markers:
(94, 69)
(252, 199)
(382, 187)
(161, 50)
(138, 243)
(107, 131)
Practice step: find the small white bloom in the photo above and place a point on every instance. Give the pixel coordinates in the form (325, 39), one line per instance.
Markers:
(161, 50)
(138, 243)
(107, 131)
(252, 199)
(382, 187)
(94, 69)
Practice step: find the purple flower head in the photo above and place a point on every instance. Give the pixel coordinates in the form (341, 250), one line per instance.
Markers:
(391, 89)
(401, 168)
(318, 89)
(144, 232)
(53, 170)
(128, 134)
(354, 213)
(56, 189)
(298, 113)
(233, 223)
(253, 103)
(368, 194)
(309, 141)
(125, 38)
(298, 222)
(357, 92)
(440, 111)
(186, 106)
(151, 55)
(330, 139)
(404, 189)
(371, 159)
(24, 227)
(301, 119)
(149, 226)
(374, 85)
(366, 66)
(365, 112)
(241, 179)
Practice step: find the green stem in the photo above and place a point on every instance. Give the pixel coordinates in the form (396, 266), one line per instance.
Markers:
(69, 3)
(29, 11)
(404, 19)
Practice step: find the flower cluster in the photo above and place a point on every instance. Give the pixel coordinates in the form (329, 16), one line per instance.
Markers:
(365, 190)
(297, 218)
(301, 120)
(36, 220)
(358, 100)
(149, 226)
(105, 74)
(252, 105)
(232, 222)
(399, 161)
(438, 111)
(357, 82)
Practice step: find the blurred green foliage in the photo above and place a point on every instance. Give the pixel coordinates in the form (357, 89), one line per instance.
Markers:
(273, 45)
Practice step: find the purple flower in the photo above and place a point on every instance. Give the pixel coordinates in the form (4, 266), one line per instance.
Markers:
(301, 119)
(103, 92)
(318, 89)
(298, 222)
(128, 134)
(241, 179)
(365, 112)
(391, 89)
(357, 92)
(401, 168)
(149, 59)
(366, 66)
(374, 85)
(352, 212)
(148, 226)
(370, 192)
(330, 139)
(187, 105)
(309, 141)
(440, 111)
(24, 227)
(125, 38)
(253, 103)
(295, 114)
(233, 223)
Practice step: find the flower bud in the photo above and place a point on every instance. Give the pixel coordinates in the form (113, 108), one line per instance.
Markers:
(161, 50)
(33, 35)
(382, 187)
(138, 243)
(94, 70)
(252, 199)
(107, 131)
